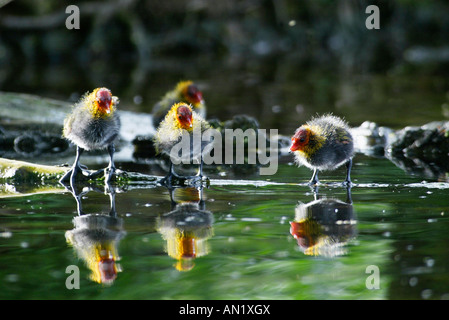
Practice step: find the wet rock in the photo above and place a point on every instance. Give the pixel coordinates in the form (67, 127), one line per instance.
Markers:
(371, 139)
(50, 114)
(36, 140)
(423, 149)
(430, 141)
(143, 147)
(37, 144)
(243, 122)
(21, 172)
(25, 172)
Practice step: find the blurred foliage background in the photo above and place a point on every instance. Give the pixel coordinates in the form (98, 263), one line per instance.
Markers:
(266, 57)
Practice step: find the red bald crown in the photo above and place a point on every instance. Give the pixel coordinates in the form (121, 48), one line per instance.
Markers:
(103, 98)
(300, 139)
(193, 94)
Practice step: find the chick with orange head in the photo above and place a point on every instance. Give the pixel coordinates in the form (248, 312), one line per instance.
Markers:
(176, 132)
(93, 125)
(184, 91)
(324, 143)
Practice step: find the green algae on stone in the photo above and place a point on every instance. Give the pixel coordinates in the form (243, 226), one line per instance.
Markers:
(21, 171)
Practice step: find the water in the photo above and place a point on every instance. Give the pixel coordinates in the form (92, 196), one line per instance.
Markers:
(244, 243)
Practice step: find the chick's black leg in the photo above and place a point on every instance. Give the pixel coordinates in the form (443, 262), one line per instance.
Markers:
(200, 171)
(66, 176)
(172, 171)
(171, 191)
(198, 178)
(348, 172)
(78, 197)
(314, 179)
(111, 193)
(348, 195)
(75, 168)
(111, 151)
(110, 170)
(168, 178)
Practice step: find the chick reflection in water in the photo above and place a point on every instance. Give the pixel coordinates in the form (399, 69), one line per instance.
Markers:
(187, 227)
(95, 239)
(324, 226)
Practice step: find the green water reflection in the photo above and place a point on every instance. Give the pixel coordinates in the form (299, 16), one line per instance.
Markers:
(240, 246)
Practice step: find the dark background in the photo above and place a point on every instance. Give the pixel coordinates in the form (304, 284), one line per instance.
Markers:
(279, 61)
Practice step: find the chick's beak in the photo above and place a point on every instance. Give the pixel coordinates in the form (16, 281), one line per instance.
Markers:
(295, 144)
(295, 229)
(107, 105)
(186, 121)
(190, 122)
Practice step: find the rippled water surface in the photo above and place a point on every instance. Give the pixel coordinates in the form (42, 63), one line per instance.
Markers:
(256, 238)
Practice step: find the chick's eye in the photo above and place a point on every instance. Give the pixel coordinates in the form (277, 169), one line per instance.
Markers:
(302, 140)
